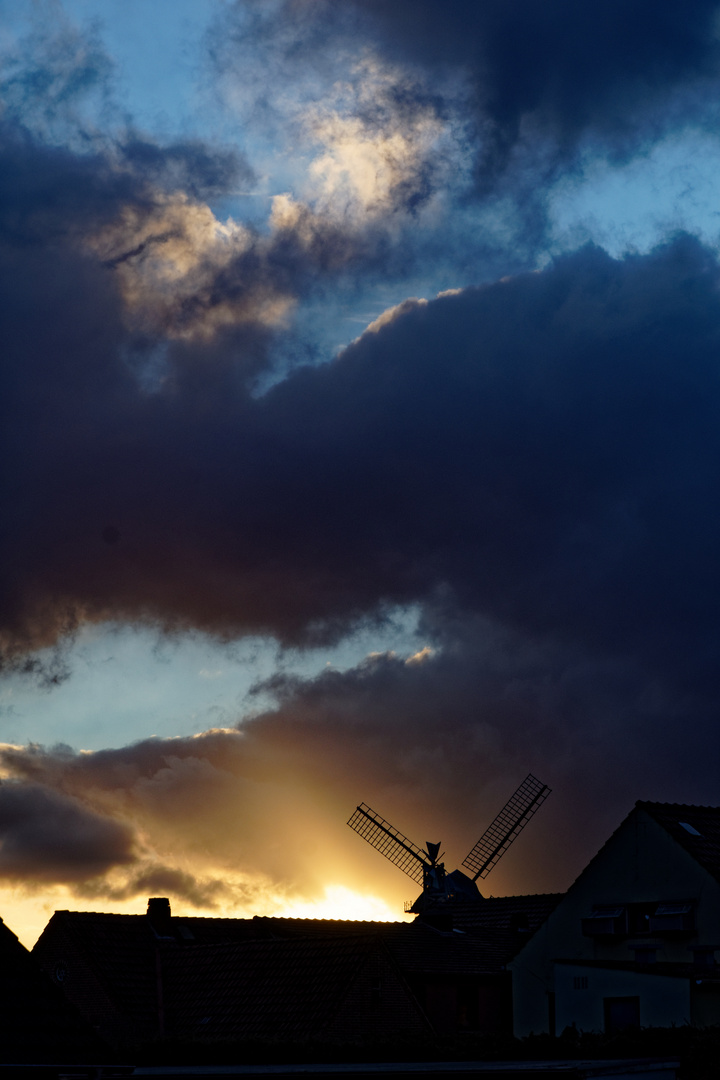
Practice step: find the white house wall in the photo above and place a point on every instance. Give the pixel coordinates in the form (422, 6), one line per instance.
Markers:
(640, 863)
(663, 1000)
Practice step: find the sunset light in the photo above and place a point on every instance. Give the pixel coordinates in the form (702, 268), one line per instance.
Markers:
(339, 902)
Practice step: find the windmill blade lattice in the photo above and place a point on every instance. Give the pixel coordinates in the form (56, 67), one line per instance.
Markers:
(507, 826)
(389, 842)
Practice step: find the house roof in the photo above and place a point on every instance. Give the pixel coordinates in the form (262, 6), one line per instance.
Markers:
(491, 913)
(281, 990)
(120, 950)
(506, 913)
(281, 926)
(701, 840)
(129, 958)
(705, 849)
(487, 934)
(37, 1023)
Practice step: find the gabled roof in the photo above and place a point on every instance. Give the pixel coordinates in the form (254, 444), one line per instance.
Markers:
(703, 821)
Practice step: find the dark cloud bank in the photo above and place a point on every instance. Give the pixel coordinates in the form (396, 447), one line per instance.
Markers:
(535, 463)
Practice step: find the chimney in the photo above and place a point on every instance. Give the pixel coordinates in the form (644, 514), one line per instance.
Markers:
(158, 912)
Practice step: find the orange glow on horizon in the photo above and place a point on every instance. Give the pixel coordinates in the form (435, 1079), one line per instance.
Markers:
(28, 915)
(340, 902)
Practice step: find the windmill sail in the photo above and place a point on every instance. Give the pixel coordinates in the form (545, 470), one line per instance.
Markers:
(389, 842)
(507, 826)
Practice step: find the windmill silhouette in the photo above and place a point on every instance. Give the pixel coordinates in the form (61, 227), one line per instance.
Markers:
(423, 864)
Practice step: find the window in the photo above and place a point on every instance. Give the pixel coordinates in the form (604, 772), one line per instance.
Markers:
(673, 918)
(621, 1013)
(580, 982)
(689, 828)
(605, 920)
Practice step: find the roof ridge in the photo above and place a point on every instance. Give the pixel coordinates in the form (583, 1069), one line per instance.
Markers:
(525, 896)
(676, 806)
(315, 919)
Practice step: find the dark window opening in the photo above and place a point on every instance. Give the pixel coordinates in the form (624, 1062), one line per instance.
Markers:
(580, 982)
(639, 916)
(621, 1014)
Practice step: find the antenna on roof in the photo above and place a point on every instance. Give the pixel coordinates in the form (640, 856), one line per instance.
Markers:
(507, 826)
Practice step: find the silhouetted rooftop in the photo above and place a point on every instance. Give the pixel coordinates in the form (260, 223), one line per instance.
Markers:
(119, 954)
(288, 990)
(129, 972)
(510, 913)
(37, 1023)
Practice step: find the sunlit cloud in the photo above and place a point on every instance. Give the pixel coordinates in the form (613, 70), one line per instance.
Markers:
(169, 258)
(378, 150)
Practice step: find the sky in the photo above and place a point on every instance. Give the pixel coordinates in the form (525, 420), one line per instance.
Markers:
(360, 391)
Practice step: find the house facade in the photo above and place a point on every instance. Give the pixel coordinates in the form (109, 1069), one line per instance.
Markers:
(634, 941)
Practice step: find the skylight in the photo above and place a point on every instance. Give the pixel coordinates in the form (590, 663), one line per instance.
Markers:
(689, 828)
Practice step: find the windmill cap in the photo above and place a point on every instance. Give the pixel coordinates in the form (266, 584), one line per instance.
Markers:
(433, 850)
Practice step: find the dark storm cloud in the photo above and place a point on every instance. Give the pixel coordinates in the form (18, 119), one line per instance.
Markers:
(599, 68)
(49, 837)
(544, 447)
(57, 830)
(99, 262)
(191, 167)
(159, 879)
